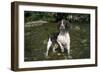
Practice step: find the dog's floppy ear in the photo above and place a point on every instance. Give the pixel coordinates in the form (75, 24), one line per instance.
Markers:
(68, 24)
(58, 24)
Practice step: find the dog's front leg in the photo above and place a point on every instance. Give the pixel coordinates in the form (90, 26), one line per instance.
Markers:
(68, 49)
(62, 48)
(48, 46)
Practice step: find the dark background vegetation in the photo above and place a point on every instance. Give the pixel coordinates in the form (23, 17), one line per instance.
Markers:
(38, 26)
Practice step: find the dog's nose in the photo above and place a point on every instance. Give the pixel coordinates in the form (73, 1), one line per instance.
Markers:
(62, 27)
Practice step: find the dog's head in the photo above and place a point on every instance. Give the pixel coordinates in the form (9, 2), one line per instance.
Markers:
(63, 24)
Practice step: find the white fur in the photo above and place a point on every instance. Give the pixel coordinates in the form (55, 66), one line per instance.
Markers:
(48, 46)
(64, 40)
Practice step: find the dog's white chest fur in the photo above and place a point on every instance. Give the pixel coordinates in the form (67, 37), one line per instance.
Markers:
(64, 39)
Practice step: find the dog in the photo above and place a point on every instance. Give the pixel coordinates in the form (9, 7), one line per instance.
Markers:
(62, 37)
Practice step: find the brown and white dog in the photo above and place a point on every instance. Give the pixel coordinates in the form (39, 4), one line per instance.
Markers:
(62, 38)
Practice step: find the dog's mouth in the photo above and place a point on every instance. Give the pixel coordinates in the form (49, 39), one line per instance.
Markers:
(62, 28)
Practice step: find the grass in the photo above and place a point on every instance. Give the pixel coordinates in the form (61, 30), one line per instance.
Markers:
(36, 41)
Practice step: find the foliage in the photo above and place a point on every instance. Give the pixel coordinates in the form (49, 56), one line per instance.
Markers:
(52, 17)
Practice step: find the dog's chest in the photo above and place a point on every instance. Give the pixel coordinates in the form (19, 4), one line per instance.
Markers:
(63, 38)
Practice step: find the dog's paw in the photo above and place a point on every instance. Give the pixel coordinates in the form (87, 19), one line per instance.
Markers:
(46, 55)
(69, 57)
(58, 54)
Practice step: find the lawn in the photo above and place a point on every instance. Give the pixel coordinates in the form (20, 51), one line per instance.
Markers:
(36, 38)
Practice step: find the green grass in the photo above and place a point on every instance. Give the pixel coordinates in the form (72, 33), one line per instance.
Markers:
(36, 41)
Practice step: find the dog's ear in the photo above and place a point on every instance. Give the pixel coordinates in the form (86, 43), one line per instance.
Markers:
(58, 24)
(68, 24)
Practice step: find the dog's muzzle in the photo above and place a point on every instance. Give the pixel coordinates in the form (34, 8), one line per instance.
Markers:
(62, 27)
